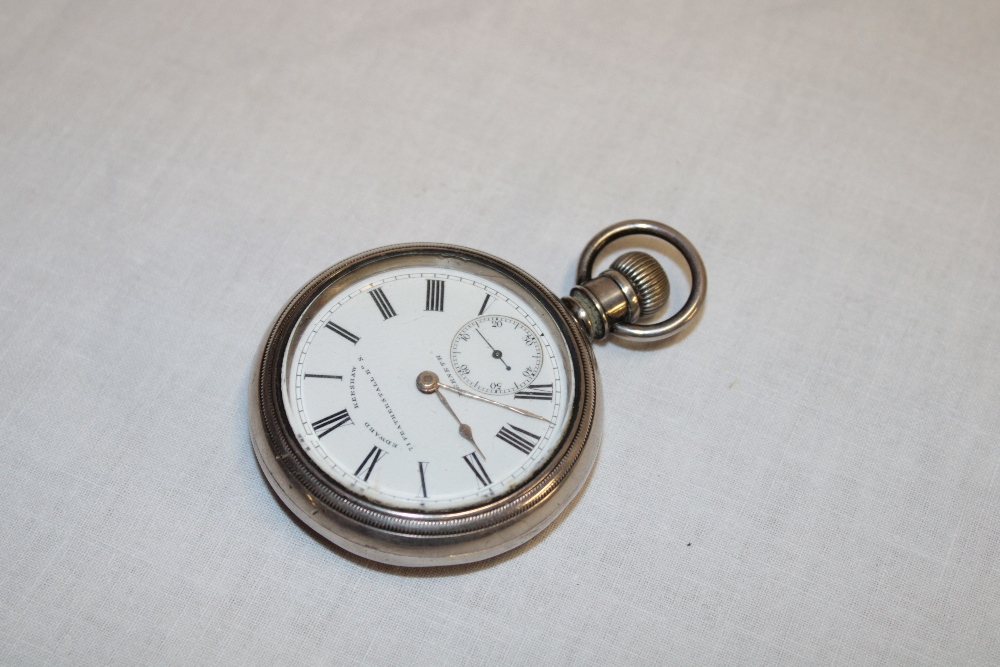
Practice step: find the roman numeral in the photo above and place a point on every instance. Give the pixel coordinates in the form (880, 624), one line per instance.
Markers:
(485, 301)
(423, 480)
(477, 468)
(374, 456)
(328, 377)
(341, 331)
(536, 392)
(518, 438)
(435, 295)
(331, 423)
(384, 307)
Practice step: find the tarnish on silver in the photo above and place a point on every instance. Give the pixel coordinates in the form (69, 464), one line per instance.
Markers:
(628, 291)
(636, 286)
(411, 538)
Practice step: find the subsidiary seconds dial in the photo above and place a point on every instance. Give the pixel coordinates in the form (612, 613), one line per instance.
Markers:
(496, 354)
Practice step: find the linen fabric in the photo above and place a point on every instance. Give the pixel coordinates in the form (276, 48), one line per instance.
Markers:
(808, 476)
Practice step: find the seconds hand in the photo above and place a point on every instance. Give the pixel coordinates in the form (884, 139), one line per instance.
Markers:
(497, 354)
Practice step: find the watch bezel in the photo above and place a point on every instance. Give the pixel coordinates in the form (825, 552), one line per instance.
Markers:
(408, 537)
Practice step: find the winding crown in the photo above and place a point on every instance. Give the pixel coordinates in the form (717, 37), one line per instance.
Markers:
(635, 286)
(647, 278)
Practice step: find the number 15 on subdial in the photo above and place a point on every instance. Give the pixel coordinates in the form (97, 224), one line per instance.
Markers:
(496, 354)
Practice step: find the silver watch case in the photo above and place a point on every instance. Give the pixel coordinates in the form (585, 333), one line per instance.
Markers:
(410, 538)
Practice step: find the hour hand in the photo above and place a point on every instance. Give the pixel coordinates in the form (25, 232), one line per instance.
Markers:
(431, 385)
(465, 431)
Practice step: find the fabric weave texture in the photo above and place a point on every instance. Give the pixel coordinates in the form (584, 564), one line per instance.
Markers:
(808, 476)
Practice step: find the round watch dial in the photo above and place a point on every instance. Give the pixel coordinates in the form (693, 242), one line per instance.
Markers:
(351, 395)
(497, 354)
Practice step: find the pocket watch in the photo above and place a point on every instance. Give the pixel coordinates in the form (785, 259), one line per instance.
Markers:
(427, 404)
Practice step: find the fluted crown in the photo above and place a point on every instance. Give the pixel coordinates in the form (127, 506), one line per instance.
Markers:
(647, 278)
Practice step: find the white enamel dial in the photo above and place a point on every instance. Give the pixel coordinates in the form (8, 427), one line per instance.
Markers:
(496, 354)
(351, 396)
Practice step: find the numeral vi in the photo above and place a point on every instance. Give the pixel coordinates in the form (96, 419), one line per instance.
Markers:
(477, 469)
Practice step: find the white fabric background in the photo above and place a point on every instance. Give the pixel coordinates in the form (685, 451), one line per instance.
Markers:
(809, 476)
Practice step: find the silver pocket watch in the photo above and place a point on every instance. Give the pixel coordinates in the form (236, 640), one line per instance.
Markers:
(427, 404)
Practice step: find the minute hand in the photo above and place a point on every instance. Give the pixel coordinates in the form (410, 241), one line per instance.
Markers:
(469, 394)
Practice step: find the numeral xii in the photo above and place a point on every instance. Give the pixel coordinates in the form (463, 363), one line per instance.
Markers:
(435, 295)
